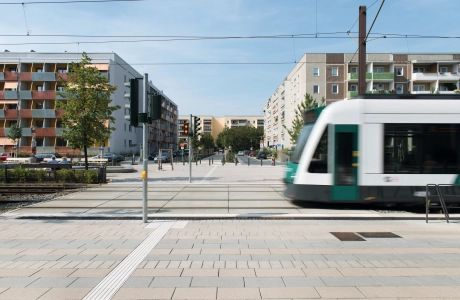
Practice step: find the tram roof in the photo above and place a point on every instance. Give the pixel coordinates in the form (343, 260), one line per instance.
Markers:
(409, 96)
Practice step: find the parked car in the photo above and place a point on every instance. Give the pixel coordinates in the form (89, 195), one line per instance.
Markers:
(252, 153)
(220, 150)
(111, 156)
(153, 155)
(164, 157)
(4, 156)
(261, 155)
(246, 152)
(240, 153)
(41, 156)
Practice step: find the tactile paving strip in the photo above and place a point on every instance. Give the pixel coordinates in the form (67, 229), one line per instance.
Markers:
(109, 286)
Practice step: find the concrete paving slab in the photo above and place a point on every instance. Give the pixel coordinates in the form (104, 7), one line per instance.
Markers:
(23, 293)
(255, 195)
(151, 195)
(65, 293)
(70, 203)
(210, 195)
(144, 293)
(133, 204)
(261, 204)
(196, 204)
(192, 211)
(93, 194)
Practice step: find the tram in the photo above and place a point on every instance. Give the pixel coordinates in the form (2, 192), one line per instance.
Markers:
(377, 148)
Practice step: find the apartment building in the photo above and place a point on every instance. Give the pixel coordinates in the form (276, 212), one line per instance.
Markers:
(29, 83)
(215, 125)
(334, 76)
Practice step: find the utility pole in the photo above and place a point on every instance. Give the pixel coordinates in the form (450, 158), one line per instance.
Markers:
(145, 127)
(362, 51)
(190, 150)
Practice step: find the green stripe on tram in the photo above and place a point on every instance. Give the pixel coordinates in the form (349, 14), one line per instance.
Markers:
(458, 180)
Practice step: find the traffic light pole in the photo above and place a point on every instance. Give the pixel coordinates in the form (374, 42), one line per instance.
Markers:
(190, 152)
(145, 127)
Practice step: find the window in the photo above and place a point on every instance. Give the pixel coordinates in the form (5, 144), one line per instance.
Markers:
(378, 86)
(419, 88)
(315, 89)
(130, 128)
(353, 70)
(319, 162)
(60, 88)
(13, 70)
(125, 127)
(59, 124)
(39, 124)
(315, 71)
(419, 69)
(130, 143)
(353, 88)
(443, 69)
(399, 89)
(335, 89)
(378, 70)
(60, 142)
(39, 88)
(39, 70)
(335, 71)
(443, 88)
(399, 71)
(125, 143)
(422, 148)
(38, 105)
(62, 70)
(39, 142)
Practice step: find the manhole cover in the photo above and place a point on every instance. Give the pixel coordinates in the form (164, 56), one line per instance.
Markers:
(378, 235)
(347, 236)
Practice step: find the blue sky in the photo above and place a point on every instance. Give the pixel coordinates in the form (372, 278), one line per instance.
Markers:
(222, 89)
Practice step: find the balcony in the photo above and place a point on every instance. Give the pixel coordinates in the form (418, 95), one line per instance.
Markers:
(384, 76)
(354, 76)
(430, 77)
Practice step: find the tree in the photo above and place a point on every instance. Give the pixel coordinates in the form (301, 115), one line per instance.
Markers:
(15, 133)
(297, 123)
(207, 141)
(88, 113)
(239, 138)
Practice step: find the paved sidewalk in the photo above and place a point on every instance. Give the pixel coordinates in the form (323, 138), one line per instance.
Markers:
(218, 259)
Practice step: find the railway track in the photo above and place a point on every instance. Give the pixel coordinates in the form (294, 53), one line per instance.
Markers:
(36, 189)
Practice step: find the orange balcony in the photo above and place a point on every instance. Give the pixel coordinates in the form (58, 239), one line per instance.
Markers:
(43, 95)
(51, 131)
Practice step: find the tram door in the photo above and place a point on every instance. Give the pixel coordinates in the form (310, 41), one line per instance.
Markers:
(345, 163)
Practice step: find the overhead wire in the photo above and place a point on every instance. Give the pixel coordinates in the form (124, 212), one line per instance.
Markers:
(66, 2)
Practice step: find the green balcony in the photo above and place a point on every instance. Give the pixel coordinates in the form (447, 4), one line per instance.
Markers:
(352, 94)
(354, 76)
(384, 75)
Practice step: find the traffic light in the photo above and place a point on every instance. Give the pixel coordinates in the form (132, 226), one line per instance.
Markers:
(133, 105)
(155, 107)
(196, 126)
(186, 130)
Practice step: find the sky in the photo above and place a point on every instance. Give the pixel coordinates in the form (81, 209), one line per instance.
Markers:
(238, 69)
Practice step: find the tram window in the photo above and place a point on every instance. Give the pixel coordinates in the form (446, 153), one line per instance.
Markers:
(301, 141)
(318, 163)
(422, 148)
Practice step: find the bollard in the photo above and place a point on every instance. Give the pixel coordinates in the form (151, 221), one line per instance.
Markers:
(248, 160)
(261, 162)
(132, 162)
(236, 161)
(209, 161)
(212, 160)
(200, 160)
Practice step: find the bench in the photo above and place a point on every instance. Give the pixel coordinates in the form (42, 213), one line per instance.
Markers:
(99, 161)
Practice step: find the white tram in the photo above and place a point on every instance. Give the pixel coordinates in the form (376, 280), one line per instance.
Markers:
(381, 148)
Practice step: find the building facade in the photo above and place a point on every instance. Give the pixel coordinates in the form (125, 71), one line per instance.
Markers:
(334, 76)
(215, 125)
(29, 83)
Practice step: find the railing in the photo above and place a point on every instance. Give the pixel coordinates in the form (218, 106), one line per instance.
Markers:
(441, 196)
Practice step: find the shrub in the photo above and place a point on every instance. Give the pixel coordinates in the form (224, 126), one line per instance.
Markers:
(92, 176)
(66, 176)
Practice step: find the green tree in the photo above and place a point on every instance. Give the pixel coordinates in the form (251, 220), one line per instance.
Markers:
(239, 138)
(207, 141)
(297, 122)
(15, 133)
(88, 113)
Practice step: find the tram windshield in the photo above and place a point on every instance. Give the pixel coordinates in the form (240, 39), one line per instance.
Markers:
(301, 141)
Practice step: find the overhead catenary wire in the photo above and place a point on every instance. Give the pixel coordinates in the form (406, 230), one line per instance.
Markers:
(66, 2)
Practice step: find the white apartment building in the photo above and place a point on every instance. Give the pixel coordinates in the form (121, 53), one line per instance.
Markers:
(334, 76)
(29, 83)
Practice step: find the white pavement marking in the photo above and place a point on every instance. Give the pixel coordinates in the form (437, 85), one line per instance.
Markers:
(110, 285)
(207, 175)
